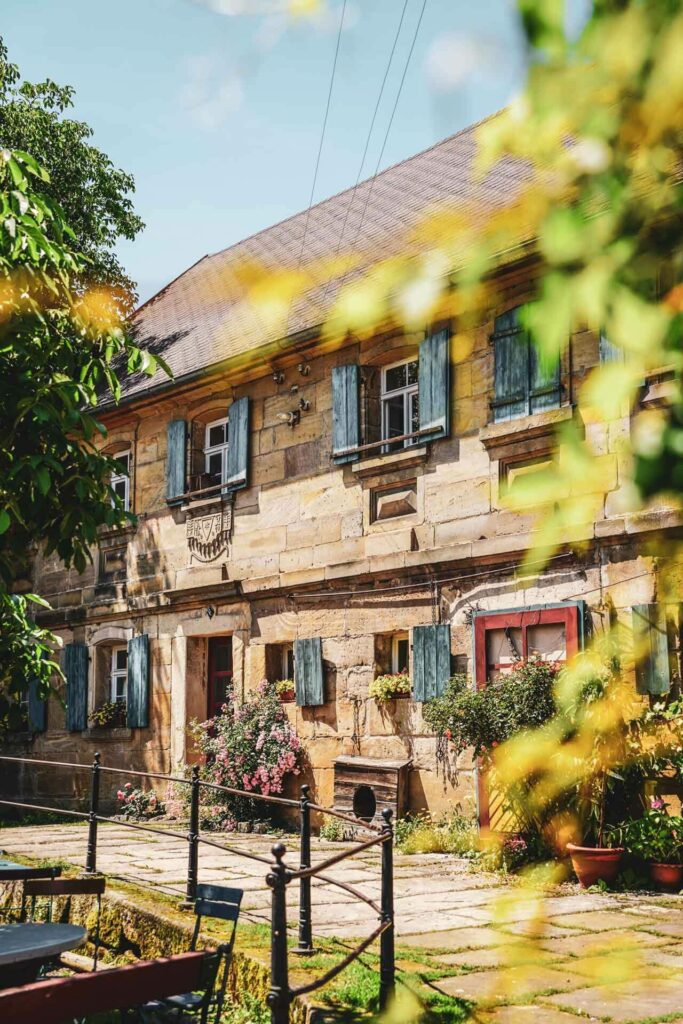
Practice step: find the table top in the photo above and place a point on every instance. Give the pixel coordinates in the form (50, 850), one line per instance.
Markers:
(22, 942)
(10, 871)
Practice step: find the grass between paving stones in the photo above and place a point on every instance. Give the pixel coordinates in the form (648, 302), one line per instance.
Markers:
(352, 996)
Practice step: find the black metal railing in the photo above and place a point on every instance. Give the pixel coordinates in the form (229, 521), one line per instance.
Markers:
(278, 877)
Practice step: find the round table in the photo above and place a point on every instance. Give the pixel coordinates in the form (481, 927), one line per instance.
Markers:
(24, 948)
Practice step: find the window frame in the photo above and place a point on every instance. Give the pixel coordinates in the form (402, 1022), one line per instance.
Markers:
(124, 478)
(116, 674)
(568, 614)
(215, 449)
(287, 655)
(409, 393)
(397, 638)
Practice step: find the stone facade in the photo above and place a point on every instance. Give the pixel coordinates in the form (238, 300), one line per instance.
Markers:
(349, 553)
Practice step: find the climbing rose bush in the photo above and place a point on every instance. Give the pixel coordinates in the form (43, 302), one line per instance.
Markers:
(252, 747)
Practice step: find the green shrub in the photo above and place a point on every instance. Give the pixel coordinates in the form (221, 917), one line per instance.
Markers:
(332, 829)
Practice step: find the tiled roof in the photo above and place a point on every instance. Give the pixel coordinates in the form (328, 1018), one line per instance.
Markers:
(202, 317)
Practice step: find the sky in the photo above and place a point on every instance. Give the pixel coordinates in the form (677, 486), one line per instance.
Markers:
(216, 106)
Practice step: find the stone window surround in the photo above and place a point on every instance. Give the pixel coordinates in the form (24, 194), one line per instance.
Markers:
(104, 637)
(207, 411)
(118, 449)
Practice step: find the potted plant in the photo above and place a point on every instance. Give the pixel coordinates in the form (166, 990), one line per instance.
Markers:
(110, 715)
(596, 723)
(390, 685)
(284, 688)
(657, 838)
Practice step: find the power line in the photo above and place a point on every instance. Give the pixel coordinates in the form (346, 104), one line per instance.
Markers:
(391, 121)
(322, 134)
(369, 136)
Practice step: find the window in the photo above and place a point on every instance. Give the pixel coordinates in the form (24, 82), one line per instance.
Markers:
(120, 479)
(523, 383)
(119, 673)
(502, 639)
(287, 663)
(400, 403)
(220, 673)
(400, 653)
(216, 451)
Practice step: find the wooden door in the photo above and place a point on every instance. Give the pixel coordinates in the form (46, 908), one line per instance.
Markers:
(552, 633)
(220, 673)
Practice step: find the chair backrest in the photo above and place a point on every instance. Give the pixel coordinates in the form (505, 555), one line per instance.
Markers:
(60, 999)
(65, 887)
(217, 901)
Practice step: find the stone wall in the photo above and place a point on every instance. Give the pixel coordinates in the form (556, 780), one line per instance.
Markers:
(305, 555)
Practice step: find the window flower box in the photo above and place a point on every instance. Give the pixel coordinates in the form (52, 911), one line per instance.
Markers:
(391, 686)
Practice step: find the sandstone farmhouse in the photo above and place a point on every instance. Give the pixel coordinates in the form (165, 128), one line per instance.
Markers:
(325, 509)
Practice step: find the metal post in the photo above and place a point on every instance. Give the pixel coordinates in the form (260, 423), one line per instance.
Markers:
(91, 855)
(387, 963)
(305, 946)
(279, 996)
(193, 839)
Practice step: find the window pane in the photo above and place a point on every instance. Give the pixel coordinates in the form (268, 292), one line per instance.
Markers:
(412, 372)
(395, 378)
(394, 417)
(214, 466)
(289, 663)
(547, 642)
(120, 489)
(216, 435)
(415, 412)
(222, 657)
(124, 463)
(503, 651)
(122, 658)
(402, 655)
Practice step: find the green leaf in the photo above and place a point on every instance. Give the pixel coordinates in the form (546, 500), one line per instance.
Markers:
(4, 520)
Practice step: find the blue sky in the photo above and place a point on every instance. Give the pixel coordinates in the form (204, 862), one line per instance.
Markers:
(217, 112)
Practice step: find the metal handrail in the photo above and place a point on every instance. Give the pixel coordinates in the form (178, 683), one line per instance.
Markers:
(338, 968)
(331, 861)
(278, 877)
(333, 813)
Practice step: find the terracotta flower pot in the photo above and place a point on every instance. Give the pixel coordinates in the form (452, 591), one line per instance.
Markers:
(667, 876)
(594, 863)
(286, 696)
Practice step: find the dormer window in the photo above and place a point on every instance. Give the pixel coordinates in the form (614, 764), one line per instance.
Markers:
(216, 451)
(400, 402)
(120, 479)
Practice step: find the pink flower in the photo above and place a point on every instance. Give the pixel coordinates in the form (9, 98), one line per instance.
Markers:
(128, 785)
(119, 795)
(657, 804)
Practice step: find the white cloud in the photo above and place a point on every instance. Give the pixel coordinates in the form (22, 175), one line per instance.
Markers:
(455, 58)
(211, 94)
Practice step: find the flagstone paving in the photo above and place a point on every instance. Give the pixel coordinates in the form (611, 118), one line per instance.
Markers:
(522, 957)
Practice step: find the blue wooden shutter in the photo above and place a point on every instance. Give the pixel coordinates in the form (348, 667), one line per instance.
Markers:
(75, 667)
(431, 661)
(651, 649)
(511, 367)
(137, 693)
(434, 385)
(545, 382)
(238, 444)
(609, 353)
(175, 460)
(308, 672)
(37, 708)
(345, 412)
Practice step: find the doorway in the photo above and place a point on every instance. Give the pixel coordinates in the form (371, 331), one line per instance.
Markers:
(219, 689)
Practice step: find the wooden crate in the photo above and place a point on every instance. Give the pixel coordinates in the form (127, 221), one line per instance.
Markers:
(364, 786)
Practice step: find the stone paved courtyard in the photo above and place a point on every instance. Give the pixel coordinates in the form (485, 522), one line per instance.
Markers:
(521, 955)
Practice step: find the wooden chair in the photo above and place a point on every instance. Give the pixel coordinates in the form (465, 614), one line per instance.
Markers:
(121, 989)
(51, 887)
(221, 902)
